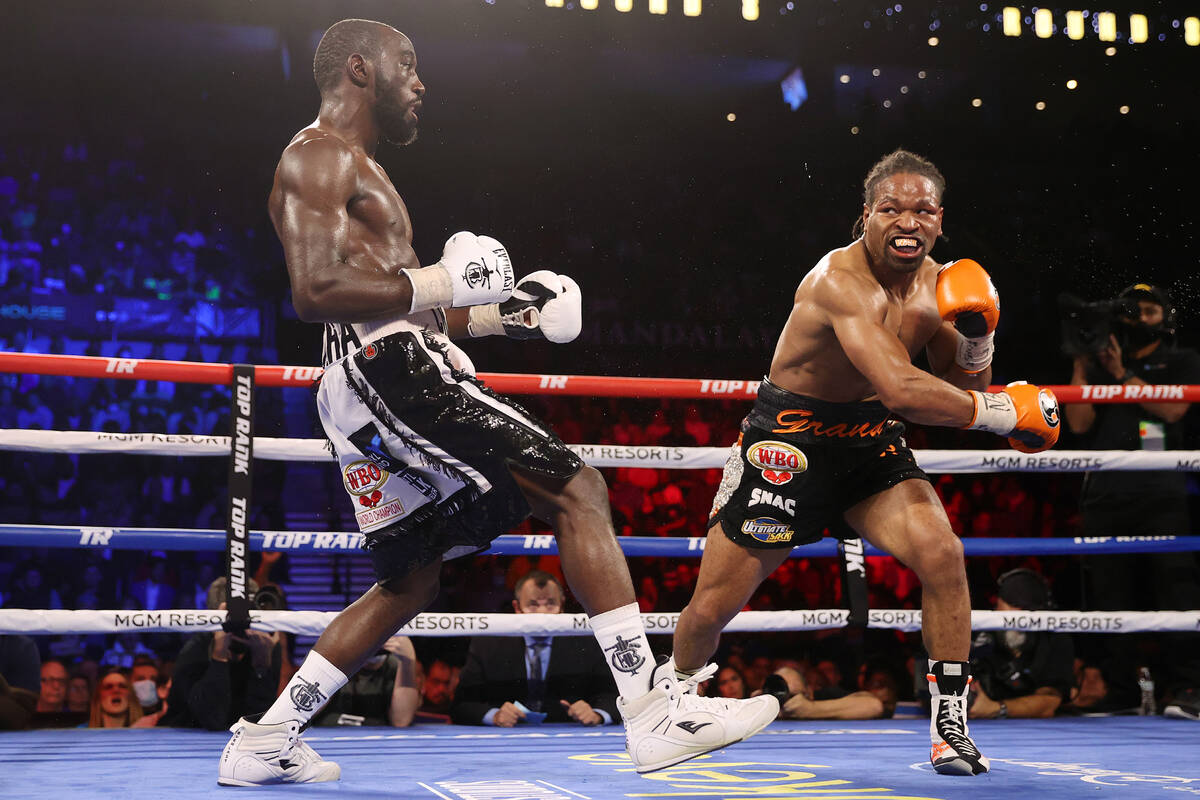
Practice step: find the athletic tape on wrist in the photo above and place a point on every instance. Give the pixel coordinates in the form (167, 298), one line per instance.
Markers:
(995, 412)
(431, 288)
(975, 354)
(485, 321)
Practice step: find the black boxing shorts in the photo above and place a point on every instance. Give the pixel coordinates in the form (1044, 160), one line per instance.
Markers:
(799, 463)
(424, 450)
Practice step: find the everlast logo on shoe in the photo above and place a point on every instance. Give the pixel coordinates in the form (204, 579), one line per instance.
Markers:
(799, 420)
(690, 726)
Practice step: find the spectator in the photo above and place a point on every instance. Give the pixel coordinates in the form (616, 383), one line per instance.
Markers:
(20, 682)
(437, 691)
(29, 589)
(221, 676)
(144, 679)
(53, 696)
(1020, 673)
(799, 701)
(383, 692)
(79, 693)
(155, 591)
(113, 705)
(507, 680)
(730, 683)
(124, 650)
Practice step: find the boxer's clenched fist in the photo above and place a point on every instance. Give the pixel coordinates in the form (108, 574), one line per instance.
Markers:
(1026, 414)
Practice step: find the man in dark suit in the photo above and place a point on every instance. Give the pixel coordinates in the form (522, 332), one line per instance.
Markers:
(566, 678)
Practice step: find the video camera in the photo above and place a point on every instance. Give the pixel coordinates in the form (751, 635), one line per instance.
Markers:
(1087, 326)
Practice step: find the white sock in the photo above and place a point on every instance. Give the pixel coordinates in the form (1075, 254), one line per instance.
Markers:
(315, 682)
(626, 649)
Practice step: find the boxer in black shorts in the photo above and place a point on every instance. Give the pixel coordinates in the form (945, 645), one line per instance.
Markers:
(437, 466)
(800, 463)
(819, 443)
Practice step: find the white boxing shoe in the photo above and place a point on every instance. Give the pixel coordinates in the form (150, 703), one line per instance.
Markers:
(259, 755)
(671, 723)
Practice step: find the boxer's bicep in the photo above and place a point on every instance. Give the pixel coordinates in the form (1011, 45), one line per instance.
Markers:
(316, 183)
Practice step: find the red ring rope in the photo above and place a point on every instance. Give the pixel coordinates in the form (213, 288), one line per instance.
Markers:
(510, 383)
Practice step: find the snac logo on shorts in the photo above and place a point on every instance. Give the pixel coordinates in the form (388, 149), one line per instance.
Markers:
(777, 460)
(768, 530)
(363, 477)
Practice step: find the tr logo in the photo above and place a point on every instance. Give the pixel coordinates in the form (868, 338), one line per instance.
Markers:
(625, 655)
(477, 274)
(307, 696)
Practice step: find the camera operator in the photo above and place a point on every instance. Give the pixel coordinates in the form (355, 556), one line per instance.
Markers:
(1139, 349)
(1020, 674)
(222, 676)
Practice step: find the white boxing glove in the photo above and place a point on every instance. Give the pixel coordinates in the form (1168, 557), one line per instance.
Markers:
(473, 270)
(543, 306)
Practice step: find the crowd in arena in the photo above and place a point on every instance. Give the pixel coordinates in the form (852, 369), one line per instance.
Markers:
(142, 238)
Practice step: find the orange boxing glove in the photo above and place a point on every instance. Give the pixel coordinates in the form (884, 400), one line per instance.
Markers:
(967, 298)
(1026, 414)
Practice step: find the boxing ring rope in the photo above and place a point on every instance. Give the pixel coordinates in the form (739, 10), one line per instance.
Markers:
(509, 383)
(598, 455)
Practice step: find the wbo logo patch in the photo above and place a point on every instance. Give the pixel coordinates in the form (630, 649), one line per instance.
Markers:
(363, 479)
(778, 461)
(768, 530)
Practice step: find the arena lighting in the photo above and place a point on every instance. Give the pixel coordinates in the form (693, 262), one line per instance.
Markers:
(554, 3)
(1191, 31)
(1012, 21)
(795, 90)
(1107, 26)
(658, 6)
(749, 10)
(1040, 105)
(691, 8)
(976, 103)
(731, 117)
(933, 41)
(1071, 84)
(1043, 23)
(1124, 109)
(1139, 28)
(1075, 25)
(624, 6)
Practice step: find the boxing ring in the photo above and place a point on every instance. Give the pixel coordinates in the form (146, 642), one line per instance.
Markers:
(1120, 757)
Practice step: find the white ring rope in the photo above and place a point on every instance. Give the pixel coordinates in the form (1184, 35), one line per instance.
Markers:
(311, 623)
(599, 455)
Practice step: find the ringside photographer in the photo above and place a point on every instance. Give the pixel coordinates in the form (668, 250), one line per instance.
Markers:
(1131, 340)
(225, 675)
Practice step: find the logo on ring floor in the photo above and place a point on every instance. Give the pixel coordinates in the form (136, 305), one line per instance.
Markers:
(779, 461)
(768, 530)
